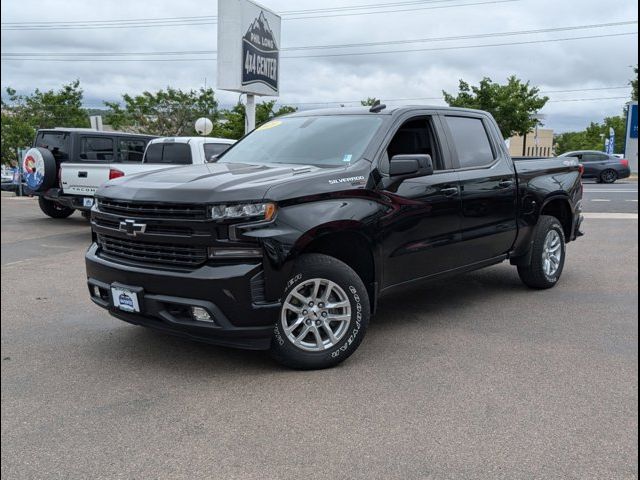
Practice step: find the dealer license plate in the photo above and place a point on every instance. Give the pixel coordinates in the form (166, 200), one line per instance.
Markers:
(125, 299)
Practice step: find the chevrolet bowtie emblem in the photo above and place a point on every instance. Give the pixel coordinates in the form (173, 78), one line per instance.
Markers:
(130, 227)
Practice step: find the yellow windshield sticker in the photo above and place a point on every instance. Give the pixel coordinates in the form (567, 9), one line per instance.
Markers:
(268, 125)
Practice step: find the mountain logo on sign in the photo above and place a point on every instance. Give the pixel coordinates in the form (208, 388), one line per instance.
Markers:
(260, 54)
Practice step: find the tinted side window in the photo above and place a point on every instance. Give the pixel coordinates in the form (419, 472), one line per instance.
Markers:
(96, 148)
(471, 141)
(211, 149)
(415, 136)
(131, 150)
(174, 153)
(56, 143)
(594, 157)
(154, 153)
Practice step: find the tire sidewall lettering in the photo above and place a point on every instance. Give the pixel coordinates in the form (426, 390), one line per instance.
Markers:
(555, 278)
(356, 318)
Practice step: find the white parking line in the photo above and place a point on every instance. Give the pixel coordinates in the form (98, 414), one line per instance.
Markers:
(634, 200)
(600, 200)
(611, 216)
(610, 191)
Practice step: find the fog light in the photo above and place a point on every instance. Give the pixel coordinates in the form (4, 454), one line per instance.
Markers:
(201, 315)
(228, 252)
(96, 291)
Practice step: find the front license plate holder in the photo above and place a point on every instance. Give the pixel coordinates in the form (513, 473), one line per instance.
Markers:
(125, 298)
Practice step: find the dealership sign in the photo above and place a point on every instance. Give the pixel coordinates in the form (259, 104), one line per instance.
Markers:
(248, 48)
(633, 121)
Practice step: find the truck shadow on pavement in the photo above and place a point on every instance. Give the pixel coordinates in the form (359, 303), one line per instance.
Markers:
(419, 305)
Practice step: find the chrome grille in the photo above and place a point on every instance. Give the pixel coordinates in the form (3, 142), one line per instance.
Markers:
(161, 253)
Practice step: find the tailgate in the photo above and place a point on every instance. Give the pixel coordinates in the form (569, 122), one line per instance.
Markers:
(83, 178)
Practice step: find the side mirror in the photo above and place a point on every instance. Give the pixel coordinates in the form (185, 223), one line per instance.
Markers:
(410, 166)
(213, 158)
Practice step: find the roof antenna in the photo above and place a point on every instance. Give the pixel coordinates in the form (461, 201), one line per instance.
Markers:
(377, 107)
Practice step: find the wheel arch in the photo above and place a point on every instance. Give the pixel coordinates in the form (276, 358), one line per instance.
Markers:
(351, 246)
(559, 206)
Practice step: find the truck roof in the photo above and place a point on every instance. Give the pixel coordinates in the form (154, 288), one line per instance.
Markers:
(91, 130)
(387, 111)
(226, 141)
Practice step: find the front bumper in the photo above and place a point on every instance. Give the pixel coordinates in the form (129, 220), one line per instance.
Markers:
(227, 292)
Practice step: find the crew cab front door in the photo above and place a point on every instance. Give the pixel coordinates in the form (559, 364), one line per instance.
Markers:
(422, 230)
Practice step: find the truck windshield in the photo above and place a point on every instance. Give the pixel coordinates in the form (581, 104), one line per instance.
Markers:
(324, 141)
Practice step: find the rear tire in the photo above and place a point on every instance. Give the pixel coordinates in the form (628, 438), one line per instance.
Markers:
(609, 176)
(547, 255)
(324, 314)
(54, 209)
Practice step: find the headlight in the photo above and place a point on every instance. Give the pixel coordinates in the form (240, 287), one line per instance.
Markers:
(260, 211)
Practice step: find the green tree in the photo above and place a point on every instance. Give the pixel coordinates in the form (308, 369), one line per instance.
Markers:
(22, 115)
(368, 102)
(593, 137)
(634, 85)
(170, 112)
(569, 141)
(513, 104)
(233, 125)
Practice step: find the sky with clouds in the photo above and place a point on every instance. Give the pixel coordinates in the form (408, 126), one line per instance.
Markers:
(590, 66)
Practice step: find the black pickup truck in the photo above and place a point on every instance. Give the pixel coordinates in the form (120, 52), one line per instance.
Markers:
(288, 241)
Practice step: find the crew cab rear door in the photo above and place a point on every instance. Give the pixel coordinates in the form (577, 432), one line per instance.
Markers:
(488, 187)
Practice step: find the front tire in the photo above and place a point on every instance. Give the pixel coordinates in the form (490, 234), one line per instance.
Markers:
(609, 176)
(547, 255)
(324, 314)
(54, 209)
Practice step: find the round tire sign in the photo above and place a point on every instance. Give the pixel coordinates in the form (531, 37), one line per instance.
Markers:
(34, 169)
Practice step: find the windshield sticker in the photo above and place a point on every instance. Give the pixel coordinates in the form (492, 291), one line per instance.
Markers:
(352, 180)
(268, 125)
(347, 158)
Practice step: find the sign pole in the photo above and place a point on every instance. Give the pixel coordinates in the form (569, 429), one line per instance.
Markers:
(250, 112)
(19, 191)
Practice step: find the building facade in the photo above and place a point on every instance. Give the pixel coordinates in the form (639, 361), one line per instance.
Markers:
(538, 143)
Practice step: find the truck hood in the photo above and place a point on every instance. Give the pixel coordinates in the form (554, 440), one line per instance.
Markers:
(222, 182)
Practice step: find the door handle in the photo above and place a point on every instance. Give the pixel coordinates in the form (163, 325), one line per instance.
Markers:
(449, 192)
(505, 183)
(82, 174)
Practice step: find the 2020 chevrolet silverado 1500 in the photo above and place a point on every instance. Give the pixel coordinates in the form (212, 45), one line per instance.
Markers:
(288, 241)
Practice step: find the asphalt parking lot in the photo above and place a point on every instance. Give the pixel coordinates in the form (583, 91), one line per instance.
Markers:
(621, 197)
(472, 378)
